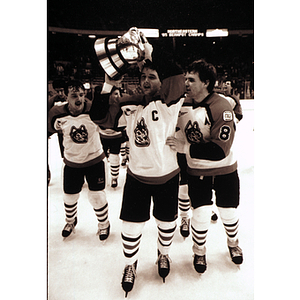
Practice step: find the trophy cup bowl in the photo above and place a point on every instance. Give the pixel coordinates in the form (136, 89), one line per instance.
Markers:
(116, 55)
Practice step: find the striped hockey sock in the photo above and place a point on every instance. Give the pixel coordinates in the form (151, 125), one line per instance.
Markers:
(230, 221)
(70, 205)
(114, 165)
(166, 231)
(131, 237)
(71, 212)
(102, 215)
(131, 246)
(183, 201)
(123, 150)
(200, 224)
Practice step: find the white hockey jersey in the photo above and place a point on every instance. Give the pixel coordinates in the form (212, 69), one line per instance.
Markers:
(81, 137)
(148, 126)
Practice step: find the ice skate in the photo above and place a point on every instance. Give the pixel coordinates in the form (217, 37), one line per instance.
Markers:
(200, 263)
(129, 277)
(163, 263)
(214, 217)
(185, 227)
(69, 228)
(103, 233)
(236, 254)
(114, 182)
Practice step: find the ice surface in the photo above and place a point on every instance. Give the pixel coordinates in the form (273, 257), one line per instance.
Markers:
(82, 268)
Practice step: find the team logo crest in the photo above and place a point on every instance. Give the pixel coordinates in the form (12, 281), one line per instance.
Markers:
(193, 133)
(79, 135)
(141, 134)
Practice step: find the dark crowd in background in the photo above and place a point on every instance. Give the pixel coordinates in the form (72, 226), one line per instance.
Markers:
(72, 56)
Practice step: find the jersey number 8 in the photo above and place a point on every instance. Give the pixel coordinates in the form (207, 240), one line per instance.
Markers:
(224, 133)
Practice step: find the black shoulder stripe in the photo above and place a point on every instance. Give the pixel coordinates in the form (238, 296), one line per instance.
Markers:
(130, 102)
(209, 114)
(187, 104)
(172, 102)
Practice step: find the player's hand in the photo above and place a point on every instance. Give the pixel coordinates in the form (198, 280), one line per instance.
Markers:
(148, 47)
(176, 144)
(146, 53)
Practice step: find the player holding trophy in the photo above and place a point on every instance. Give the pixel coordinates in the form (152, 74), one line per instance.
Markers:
(150, 117)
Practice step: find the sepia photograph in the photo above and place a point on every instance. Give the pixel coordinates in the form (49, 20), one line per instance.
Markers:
(150, 150)
(137, 160)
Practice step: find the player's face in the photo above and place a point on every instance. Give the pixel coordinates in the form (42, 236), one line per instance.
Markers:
(60, 92)
(115, 95)
(195, 88)
(150, 82)
(76, 100)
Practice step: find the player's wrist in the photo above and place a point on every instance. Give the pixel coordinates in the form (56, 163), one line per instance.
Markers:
(107, 87)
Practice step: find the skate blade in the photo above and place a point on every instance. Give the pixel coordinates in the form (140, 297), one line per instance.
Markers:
(102, 242)
(184, 237)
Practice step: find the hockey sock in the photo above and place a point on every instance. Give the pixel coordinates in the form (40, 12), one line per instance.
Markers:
(230, 221)
(127, 150)
(131, 238)
(114, 165)
(183, 201)
(166, 232)
(70, 204)
(200, 224)
(100, 206)
(123, 150)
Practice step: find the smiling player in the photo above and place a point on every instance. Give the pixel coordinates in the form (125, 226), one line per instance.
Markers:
(83, 157)
(152, 171)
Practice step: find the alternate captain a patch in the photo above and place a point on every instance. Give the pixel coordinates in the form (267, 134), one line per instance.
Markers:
(227, 116)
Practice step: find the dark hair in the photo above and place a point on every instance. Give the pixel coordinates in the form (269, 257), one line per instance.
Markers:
(206, 71)
(58, 84)
(150, 65)
(77, 84)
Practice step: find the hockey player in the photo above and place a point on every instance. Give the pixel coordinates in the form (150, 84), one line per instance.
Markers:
(83, 158)
(183, 197)
(152, 170)
(112, 140)
(207, 130)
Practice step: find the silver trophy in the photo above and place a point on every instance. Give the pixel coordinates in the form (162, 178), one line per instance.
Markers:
(118, 54)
